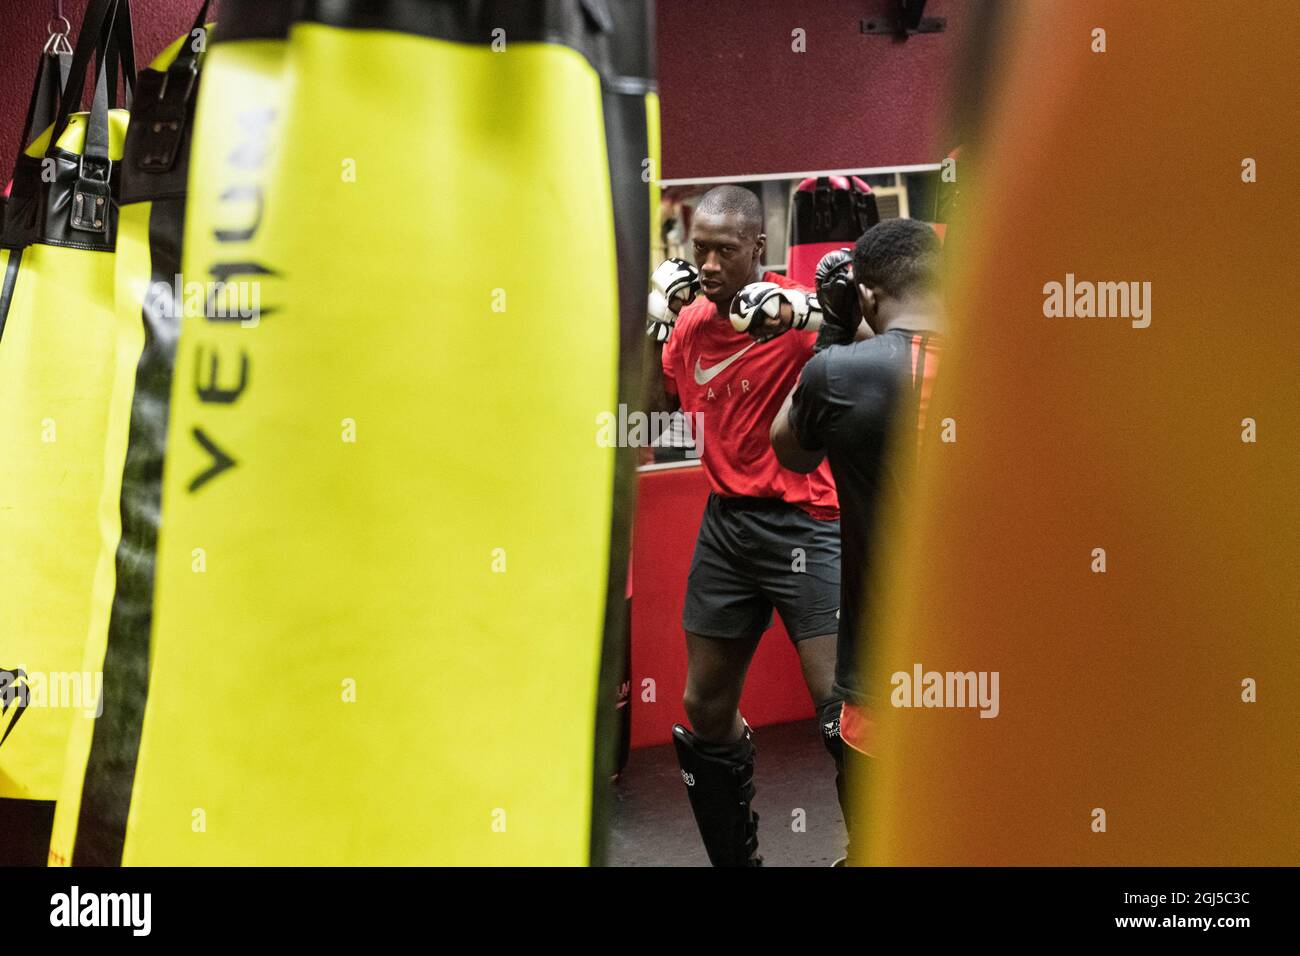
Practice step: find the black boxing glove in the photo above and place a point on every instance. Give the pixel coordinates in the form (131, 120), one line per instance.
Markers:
(838, 295)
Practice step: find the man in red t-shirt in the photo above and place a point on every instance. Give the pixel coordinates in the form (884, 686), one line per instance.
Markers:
(769, 537)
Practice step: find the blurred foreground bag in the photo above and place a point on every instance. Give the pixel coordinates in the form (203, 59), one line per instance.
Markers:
(389, 532)
(57, 388)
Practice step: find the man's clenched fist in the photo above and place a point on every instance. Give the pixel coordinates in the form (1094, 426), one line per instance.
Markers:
(673, 286)
(838, 295)
(765, 310)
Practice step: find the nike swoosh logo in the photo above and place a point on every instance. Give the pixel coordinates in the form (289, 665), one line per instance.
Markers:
(703, 376)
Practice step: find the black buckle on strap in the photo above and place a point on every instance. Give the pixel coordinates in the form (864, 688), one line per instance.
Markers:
(188, 67)
(104, 166)
(92, 196)
(164, 120)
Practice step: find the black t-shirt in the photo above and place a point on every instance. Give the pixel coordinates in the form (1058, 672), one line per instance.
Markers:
(855, 401)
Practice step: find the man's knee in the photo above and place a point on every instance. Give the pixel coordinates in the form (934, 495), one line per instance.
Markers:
(700, 710)
(711, 718)
(817, 659)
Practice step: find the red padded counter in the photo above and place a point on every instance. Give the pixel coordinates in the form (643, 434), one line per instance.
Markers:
(670, 501)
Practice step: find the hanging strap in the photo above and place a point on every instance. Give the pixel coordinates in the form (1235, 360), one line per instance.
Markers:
(47, 90)
(119, 44)
(97, 133)
(89, 210)
(93, 25)
(186, 64)
(161, 136)
(43, 108)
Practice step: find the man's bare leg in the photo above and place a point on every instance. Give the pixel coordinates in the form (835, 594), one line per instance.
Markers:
(715, 677)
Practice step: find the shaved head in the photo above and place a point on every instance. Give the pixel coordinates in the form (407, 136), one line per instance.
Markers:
(733, 201)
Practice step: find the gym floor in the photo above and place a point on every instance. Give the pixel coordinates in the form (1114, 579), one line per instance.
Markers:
(653, 825)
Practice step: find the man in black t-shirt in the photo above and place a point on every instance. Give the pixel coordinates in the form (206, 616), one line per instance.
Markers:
(864, 406)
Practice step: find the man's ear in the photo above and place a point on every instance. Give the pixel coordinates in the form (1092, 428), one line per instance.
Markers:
(867, 303)
(760, 244)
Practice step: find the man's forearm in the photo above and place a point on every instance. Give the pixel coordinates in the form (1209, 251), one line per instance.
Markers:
(656, 398)
(789, 452)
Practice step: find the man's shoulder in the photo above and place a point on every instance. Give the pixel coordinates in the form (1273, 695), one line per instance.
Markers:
(861, 365)
(881, 352)
(817, 366)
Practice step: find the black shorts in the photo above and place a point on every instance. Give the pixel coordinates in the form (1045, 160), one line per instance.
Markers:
(756, 553)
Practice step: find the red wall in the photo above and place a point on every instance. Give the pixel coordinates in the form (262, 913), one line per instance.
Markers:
(735, 100)
(23, 33)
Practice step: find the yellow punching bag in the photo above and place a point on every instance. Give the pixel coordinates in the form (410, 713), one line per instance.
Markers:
(56, 392)
(151, 220)
(389, 530)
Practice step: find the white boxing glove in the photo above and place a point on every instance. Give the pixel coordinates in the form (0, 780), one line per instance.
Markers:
(673, 286)
(757, 310)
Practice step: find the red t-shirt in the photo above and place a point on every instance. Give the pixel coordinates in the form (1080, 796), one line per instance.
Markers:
(739, 385)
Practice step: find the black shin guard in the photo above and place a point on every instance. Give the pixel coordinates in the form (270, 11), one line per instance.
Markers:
(856, 767)
(720, 783)
(828, 720)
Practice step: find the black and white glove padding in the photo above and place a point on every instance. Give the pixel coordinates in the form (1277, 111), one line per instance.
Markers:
(673, 286)
(838, 295)
(765, 310)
